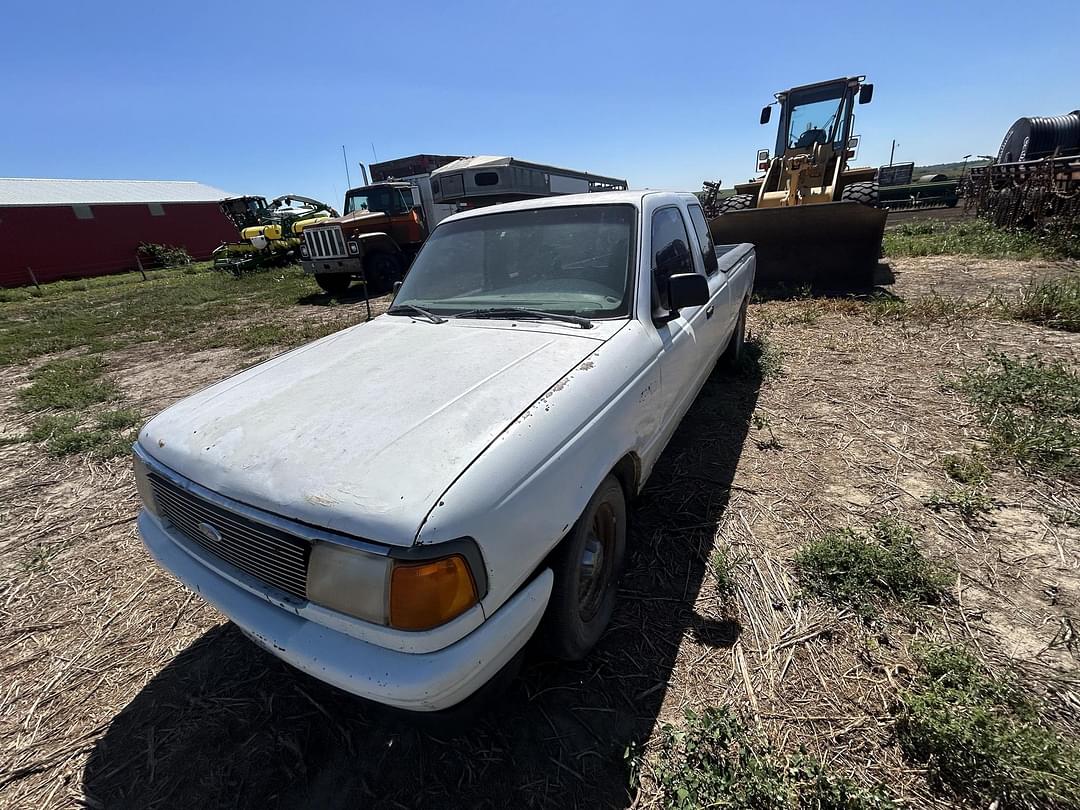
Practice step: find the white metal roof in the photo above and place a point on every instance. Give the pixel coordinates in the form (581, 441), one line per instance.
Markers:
(34, 191)
(473, 162)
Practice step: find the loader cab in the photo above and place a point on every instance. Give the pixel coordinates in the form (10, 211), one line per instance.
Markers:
(813, 142)
(815, 114)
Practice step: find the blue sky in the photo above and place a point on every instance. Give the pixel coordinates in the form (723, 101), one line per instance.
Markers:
(664, 94)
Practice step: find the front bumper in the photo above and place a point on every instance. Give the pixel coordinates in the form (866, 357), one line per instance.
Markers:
(352, 265)
(412, 681)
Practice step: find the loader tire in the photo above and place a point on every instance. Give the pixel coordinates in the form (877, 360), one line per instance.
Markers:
(738, 202)
(863, 193)
(333, 283)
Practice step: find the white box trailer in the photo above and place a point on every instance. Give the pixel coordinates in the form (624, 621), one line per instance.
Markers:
(488, 179)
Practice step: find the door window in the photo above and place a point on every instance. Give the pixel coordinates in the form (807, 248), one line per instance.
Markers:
(671, 251)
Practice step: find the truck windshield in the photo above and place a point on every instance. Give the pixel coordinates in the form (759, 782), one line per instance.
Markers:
(573, 260)
(814, 114)
(387, 200)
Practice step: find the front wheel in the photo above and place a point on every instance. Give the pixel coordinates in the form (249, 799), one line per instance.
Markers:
(587, 566)
(381, 270)
(333, 283)
(864, 193)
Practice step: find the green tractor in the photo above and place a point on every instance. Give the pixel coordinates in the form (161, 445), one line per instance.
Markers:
(270, 232)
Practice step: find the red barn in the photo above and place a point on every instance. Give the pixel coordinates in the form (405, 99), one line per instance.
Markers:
(76, 228)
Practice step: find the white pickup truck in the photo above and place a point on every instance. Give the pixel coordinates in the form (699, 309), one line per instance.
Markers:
(396, 509)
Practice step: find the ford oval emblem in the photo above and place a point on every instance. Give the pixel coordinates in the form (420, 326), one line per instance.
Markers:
(210, 532)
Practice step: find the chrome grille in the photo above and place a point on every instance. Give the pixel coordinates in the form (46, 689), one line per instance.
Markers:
(266, 553)
(325, 243)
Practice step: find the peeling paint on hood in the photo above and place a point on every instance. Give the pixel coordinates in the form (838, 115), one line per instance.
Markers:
(361, 431)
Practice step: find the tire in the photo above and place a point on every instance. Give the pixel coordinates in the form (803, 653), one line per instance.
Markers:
(381, 269)
(733, 354)
(333, 283)
(865, 193)
(581, 604)
(738, 202)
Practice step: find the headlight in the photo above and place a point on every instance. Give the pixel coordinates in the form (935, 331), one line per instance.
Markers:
(142, 484)
(354, 248)
(304, 251)
(406, 594)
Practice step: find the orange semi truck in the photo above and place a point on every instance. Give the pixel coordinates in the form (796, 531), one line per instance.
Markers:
(376, 238)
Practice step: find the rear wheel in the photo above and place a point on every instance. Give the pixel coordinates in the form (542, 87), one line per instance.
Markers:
(587, 566)
(738, 202)
(732, 355)
(333, 283)
(865, 193)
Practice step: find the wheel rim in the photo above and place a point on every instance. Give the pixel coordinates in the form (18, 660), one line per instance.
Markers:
(594, 566)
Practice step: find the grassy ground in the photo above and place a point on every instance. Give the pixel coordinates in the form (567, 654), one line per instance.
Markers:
(114, 312)
(851, 553)
(974, 237)
(68, 399)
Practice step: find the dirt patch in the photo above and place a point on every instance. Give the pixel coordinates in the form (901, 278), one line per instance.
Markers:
(121, 689)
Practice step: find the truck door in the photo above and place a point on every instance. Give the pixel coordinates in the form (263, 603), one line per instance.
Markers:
(680, 359)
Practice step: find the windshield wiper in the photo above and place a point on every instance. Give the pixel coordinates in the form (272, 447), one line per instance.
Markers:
(402, 309)
(523, 313)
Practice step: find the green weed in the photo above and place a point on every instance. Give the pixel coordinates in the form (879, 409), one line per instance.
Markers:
(723, 569)
(981, 737)
(967, 503)
(965, 469)
(761, 358)
(63, 434)
(865, 571)
(716, 760)
(67, 384)
(1030, 410)
(1051, 303)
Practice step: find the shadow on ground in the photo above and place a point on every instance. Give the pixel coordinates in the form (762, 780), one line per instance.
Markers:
(228, 725)
(883, 277)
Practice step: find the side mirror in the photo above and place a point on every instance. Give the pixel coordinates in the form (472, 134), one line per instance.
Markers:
(396, 288)
(866, 92)
(852, 147)
(766, 114)
(687, 290)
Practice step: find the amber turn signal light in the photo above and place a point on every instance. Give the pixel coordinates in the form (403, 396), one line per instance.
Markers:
(426, 594)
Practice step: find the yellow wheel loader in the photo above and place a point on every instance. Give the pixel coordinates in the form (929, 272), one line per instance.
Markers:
(812, 217)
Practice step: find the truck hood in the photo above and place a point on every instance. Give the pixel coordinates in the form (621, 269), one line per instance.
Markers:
(362, 431)
(355, 218)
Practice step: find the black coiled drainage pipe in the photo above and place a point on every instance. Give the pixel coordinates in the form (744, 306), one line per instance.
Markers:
(1039, 137)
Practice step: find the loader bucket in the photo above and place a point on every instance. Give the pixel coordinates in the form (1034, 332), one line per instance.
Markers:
(829, 245)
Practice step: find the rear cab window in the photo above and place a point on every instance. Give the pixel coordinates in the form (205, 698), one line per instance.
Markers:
(704, 239)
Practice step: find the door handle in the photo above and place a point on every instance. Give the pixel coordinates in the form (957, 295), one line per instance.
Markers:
(709, 312)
